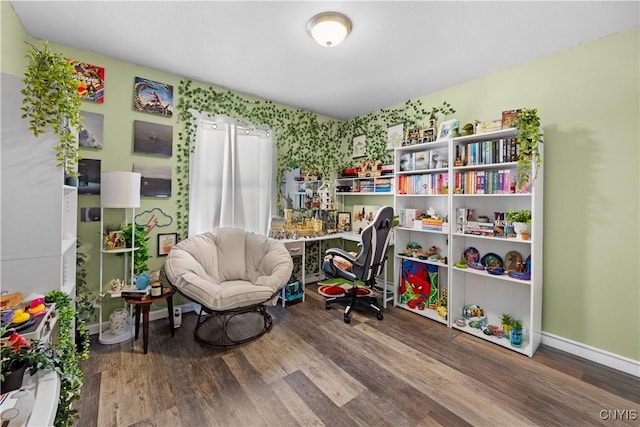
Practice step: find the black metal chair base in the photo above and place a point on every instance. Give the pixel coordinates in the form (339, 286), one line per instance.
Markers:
(350, 301)
(224, 340)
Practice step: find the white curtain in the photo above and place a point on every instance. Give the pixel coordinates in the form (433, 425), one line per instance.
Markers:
(231, 176)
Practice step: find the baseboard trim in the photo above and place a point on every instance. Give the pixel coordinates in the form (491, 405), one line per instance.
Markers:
(597, 355)
(161, 313)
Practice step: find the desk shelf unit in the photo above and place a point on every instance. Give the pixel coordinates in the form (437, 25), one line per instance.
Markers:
(482, 185)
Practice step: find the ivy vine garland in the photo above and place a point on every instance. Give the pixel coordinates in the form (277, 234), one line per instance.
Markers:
(303, 139)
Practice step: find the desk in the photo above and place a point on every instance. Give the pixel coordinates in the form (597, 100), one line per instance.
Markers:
(296, 247)
(144, 305)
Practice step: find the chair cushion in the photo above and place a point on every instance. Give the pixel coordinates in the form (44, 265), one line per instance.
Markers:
(227, 268)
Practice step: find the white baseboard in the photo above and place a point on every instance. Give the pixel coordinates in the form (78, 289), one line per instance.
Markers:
(603, 357)
(153, 315)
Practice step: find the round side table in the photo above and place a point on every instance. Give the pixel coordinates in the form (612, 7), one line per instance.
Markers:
(143, 305)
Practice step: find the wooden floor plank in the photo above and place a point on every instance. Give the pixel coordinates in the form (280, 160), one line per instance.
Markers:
(312, 369)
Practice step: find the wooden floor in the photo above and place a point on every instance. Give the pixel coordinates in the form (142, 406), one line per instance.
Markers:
(312, 369)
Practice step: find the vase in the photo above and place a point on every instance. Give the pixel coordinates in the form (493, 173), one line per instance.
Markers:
(118, 321)
(13, 379)
(519, 228)
(515, 337)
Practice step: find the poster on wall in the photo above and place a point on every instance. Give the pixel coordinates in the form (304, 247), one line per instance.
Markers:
(152, 138)
(153, 97)
(92, 127)
(395, 136)
(91, 81)
(359, 146)
(155, 181)
(89, 176)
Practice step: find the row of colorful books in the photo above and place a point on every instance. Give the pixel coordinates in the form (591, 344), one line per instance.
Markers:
(488, 152)
(485, 182)
(436, 183)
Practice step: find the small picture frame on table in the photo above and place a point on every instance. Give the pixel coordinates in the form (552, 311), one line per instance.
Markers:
(344, 221)
(166, 241)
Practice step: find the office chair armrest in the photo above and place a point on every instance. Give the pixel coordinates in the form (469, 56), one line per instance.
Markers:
(344, 254)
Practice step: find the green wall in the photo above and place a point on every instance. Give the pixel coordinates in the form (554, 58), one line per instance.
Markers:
(588, 99)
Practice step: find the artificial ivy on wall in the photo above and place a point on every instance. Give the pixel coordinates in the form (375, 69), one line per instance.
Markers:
(303, 139)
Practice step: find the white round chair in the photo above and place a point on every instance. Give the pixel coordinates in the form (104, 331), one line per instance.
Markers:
(229, 272)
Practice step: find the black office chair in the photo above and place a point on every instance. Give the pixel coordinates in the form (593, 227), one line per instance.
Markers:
(365, 265)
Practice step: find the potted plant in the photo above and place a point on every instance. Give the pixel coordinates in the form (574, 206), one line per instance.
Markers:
(65, 357)
(529, 157)
(51, 101)
(515, 333)
(86, 300)
(506, 320)
(141, 255)
(520, 220)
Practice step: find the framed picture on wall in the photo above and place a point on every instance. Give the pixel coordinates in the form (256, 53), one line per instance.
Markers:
(89, 178)
(152, 138)
(153, 97)
(166, 241)
(90, 135)
(90, 80)
(395, 136)
(359, 146)
(155, 181)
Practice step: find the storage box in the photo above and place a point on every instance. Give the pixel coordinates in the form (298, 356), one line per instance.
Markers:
(292, 292)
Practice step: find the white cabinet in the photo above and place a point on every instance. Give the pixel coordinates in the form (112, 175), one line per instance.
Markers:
(38, 212)
(479, 187)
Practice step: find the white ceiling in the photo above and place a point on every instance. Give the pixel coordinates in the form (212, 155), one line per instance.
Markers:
(396, 51)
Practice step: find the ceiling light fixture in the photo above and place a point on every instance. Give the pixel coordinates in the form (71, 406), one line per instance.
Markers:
(329, 29)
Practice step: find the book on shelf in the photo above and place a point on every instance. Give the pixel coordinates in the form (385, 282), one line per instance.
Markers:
(422, 160)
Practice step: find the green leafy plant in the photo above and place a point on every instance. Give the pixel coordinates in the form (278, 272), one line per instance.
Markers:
(530, 137)
(51, 101)
(86, 300)
(64, 356)
(516, 325)
(519, 216)
(141, 255)
(506, 319)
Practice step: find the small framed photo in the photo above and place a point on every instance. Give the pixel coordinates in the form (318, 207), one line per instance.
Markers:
(344, 221)
(166, 241)
(395, 136)
(359, 146)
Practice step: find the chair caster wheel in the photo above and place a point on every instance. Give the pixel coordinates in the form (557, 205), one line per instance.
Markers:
(347, 319)
(327, 306)
(379, 316)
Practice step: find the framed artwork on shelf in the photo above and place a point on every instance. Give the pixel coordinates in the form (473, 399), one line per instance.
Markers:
(90, 135)
(153, 97)
(90, 81)
(152, 138)
(344, 221)
(166, 241)
(395, 136)
(448, 129)
(155, 180)
(359, 146)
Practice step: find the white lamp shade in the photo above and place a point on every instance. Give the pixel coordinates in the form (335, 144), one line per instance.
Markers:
(329, 29)
(120, 189)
